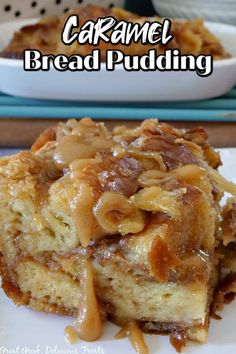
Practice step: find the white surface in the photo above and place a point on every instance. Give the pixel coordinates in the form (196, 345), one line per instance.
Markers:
(50, 7)
(118, 85)
(27, 329)
(223, 11)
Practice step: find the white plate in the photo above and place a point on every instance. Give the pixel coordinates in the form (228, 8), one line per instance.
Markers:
(32, 331)
(118, 85)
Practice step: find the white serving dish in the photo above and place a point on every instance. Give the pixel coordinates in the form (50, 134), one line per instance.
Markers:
(118, 85)
(38, 333)
(223, 11)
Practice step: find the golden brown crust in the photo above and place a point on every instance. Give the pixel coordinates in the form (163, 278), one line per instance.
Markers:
(11, 289)
(225, 293)
(48, 135)
(229, 222)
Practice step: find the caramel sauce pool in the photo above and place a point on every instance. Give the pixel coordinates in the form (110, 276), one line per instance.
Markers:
(71, 335)
(178, 341)
(135, 335)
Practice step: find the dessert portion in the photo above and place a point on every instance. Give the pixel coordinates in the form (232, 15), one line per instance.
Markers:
(190, 36)
(122, 224)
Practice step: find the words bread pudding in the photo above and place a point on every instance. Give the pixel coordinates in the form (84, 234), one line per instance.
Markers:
(123, 224)
(190, 36)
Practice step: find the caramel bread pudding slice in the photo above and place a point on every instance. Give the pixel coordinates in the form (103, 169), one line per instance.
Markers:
(120, 224)
(190, 36)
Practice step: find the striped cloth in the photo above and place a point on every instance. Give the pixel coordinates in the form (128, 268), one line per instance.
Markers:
(222, 109)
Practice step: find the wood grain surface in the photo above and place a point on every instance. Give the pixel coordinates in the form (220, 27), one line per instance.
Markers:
(23, 132)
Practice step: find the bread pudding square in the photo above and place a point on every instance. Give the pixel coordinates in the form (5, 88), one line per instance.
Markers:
(121, 224)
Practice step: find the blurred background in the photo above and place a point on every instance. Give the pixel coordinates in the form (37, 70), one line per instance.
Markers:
(223, 11)
(10, 9)
(22, 119)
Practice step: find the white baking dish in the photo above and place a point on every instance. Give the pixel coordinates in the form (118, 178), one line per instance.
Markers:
(118, 85)
(223, 11)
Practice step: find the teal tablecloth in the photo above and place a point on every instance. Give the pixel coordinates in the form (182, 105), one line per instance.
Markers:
(218, 109)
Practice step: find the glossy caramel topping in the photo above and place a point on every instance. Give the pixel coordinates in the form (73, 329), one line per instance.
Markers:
(71, 335)
(93, 178)
(121, 186)
(174, 154)
(82, 140)
(73, 147)
(135, 335)
(82, 213)
(115, 213)
(89, 324)
(178, 340)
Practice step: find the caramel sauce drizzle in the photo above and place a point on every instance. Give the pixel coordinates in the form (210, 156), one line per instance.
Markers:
(135, 336)
(71, 335)
(84, 141)
(81, 211)
(68, 149)
(178, 340)
(88, 326)
(82, 206)
(89, 323)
